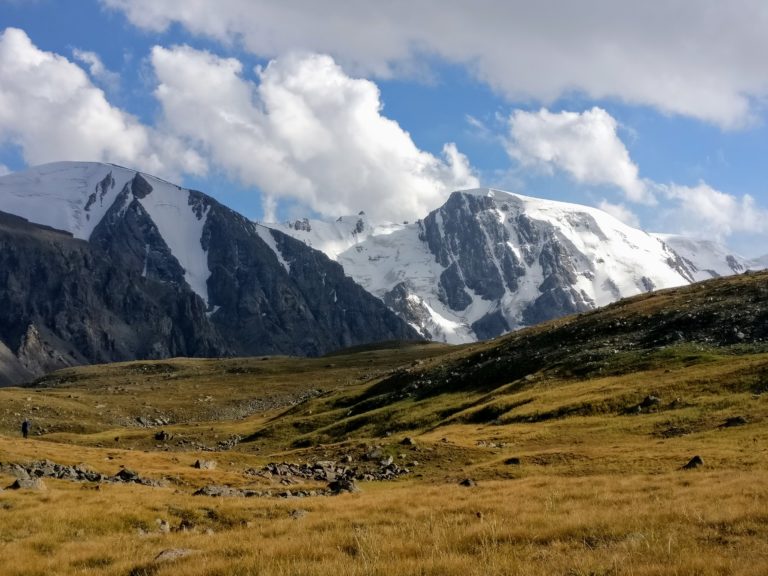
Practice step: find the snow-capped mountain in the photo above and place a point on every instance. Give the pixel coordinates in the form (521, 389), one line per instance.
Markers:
(102, 263)
(489, 261)
(707, 258)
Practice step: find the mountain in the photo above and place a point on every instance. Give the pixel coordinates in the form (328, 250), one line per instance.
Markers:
(100, 263)
(707, 258)
(488, 261)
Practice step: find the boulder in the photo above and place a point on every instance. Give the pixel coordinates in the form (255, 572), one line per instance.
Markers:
(735, 421)
(693, 463)
(343, 484)
(28, 484)
(126, 475)
(163, 436)
(172, 554)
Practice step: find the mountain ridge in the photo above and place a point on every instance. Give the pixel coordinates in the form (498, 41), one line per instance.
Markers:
(147, 269)
(489, 261)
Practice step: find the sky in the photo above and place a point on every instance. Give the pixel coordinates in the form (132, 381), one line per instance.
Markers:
(655, 112)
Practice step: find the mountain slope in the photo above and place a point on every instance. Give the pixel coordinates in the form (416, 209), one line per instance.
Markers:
(128, 253)
(709, 339)
(489, 261)
(708, 259)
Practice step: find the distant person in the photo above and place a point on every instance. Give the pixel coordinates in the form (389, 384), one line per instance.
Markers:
(25, 428)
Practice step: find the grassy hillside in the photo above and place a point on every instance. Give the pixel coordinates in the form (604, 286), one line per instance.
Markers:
(575, 434)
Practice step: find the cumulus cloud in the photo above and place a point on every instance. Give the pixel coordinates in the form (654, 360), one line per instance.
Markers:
(620, 212)
(97, 69)
(704, 211)
(4, 170)
(584, 145)
(700, 58)
(306, 130)
(50, 109)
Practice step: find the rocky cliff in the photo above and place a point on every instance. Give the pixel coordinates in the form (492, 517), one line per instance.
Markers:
(101, 263)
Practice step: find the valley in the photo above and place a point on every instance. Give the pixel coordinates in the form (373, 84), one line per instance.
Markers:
(558, 449)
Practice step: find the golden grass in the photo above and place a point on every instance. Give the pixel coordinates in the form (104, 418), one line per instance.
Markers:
(713, 522)
(598, 490)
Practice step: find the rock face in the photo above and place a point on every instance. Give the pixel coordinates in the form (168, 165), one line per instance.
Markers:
(99, 263)
(488, 261)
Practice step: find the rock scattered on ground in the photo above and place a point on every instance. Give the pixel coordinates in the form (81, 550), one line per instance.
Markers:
(468, 482)
(384, 468)
(77, 473)
(226, 491)
(205, 464)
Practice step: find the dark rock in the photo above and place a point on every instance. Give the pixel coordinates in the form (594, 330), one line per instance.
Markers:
(343, 485)
(650, 401)
(735, 421)
(126, 475)
(468, 482)
(490, 325)
(513, 461)
(163, 436)
(693, 463)
(408, 441)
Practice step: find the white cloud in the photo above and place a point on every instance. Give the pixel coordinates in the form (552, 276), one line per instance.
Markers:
(4, 170)
(97, 69)
(700, 58)
(50, 109)
(584, 145)
(703, 211)
(620, 212)
(306, 131)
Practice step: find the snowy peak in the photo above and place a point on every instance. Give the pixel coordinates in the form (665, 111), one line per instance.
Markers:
(490, 261)
(707, 258)
(333, 237)
(538, 259)
(155, 270)
(70, 196)
(77, 196)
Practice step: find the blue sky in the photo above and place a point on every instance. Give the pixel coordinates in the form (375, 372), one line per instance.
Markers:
(320, 108)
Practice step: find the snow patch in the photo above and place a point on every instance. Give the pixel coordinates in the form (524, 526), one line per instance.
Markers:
(266, 235)
(171, 209)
